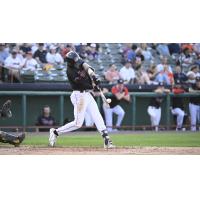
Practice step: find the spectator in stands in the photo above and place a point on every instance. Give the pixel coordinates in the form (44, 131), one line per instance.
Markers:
(45, 119)
(92, 52)
(131, 54)
(112, 75)
(142, 76)
(196, 48)
(40, 54)
(164, 62)
(186, 58)
(53, 57)
(174, 48)
(154, 108)
(177, 105)
(178, 75)
(165, 77)
(194, 105)
(13, 63)
(119, 93)
(152, 73)
(3, 55)
(127, 73)
(29, 62)
(145, 52)
(193, 73)
(25, 47)
(163, 50)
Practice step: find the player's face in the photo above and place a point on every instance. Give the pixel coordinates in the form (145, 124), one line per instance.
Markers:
(47, 111)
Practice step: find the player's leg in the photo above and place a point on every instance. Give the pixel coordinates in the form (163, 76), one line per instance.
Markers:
(119, 111)
(108, 112)
(180, 116)
(157, 118)
(93, 109)
(88, 120)
(9, 138)
(80, 102)
(152, 113)
(193, 116)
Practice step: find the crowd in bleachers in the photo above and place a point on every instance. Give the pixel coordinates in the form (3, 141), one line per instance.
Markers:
(135, 63)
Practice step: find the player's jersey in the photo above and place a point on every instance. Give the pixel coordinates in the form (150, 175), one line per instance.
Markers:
(156, 102)
(115, 101)
(78, 77)
(195, 100)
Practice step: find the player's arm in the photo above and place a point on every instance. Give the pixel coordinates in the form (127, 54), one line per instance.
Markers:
(193, 91)
(91, 73)
(126, 96)
(119, 96)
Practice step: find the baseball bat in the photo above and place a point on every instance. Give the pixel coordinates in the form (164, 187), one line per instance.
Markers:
(105, 101)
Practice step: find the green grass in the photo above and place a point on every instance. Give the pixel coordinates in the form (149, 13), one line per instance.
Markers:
(165, 139)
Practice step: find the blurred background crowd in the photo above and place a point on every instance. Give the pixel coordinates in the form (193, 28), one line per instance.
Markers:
(135, 63)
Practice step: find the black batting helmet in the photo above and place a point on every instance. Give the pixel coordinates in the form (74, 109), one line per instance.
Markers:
(72, 57)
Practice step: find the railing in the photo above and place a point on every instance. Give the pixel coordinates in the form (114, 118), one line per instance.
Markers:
(134, 96)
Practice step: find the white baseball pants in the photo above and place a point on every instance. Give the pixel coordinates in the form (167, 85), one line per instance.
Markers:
(83, 102)
(118, 110)
(180, 116)
(155, 115)
(195, 115)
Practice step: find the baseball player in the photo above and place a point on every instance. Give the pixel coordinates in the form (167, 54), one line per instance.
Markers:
(15, 140)
(194, 105)
(119, 93)
(83, 80)
(154, 108)
(177, 105)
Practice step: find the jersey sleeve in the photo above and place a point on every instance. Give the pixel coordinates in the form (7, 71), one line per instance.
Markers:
(114, 90)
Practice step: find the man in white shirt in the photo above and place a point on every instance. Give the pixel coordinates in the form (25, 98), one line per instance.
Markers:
(127, 73)
(53, 57)
(29, 62)
(14, 64)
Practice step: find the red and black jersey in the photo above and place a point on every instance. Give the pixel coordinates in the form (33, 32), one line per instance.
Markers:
(114, 91)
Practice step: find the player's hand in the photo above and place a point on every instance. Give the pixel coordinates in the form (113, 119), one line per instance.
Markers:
(96, 80)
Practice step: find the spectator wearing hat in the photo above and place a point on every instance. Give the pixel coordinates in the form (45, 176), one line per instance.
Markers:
(154, 108)
(13, 63)
(177, 104)
(127, 73)
(29, 62)
(119, 93)
(194, 105)
(54, 57)
(3, 55)
(112, 75)
(40, 54)
(193, 73)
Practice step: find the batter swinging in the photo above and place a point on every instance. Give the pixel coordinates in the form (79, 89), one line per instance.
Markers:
(82, 79)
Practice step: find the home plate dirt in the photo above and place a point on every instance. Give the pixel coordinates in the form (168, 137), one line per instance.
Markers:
(27, 150)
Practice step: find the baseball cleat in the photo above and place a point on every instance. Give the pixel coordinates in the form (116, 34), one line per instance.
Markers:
(108, 143)
(52, 137)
